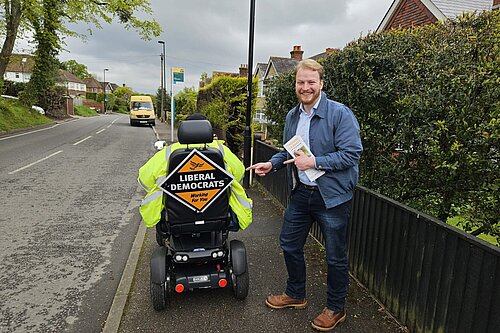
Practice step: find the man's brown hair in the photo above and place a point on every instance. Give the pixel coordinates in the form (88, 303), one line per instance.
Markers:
(312, 65)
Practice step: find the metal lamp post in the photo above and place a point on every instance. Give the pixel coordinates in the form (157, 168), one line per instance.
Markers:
(163, 113)
(104, 90)
(247, 143)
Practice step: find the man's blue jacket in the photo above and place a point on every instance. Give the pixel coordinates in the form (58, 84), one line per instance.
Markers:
(335, 142)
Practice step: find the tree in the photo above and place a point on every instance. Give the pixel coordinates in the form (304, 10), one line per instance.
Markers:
(18, 15)
(121, 97)
(41, 88)
(124, 92)
(77, 69)
(12, 20)
(166, 103)
(280, 98)
(185, 103)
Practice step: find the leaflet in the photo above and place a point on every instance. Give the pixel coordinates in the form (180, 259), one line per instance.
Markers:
(297, 143)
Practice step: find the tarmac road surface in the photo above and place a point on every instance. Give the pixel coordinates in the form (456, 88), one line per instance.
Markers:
(68, 218)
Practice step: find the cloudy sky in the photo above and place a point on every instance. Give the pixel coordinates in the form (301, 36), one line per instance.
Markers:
(212, 35)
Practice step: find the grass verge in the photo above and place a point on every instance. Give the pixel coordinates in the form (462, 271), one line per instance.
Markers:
(84, 111)
(13, 115)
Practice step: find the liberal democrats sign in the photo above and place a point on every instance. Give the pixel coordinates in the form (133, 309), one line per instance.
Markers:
(197, 181)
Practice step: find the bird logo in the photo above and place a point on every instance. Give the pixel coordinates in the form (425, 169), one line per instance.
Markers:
(195, 165)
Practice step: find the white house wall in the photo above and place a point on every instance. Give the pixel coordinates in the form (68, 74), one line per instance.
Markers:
(17, 76)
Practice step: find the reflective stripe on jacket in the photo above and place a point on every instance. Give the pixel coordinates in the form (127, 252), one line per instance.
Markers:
(154, 172)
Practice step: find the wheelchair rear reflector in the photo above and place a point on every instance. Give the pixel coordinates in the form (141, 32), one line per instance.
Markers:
(179, 288)
(222, 283)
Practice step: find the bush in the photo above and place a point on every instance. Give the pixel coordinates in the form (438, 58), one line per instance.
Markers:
(11, 88)
(223, 101)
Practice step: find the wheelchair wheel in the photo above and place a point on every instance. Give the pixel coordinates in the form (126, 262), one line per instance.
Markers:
(158, 296)
(240, 278)
(241, 284)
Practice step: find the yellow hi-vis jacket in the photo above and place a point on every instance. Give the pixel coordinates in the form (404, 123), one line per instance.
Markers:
(154, 172)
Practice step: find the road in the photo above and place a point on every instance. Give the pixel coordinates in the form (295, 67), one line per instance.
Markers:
(68, 217)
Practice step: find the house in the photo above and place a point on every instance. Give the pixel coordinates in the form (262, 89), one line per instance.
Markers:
(264, 72)
(75, 90)
(19, 68)
(110, 87)
(75, 87)
(93, 86)
(409, 13)
(113, 86)
(260, 71)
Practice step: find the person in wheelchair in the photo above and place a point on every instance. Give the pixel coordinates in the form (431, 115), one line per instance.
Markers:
(193, 195)
(154, 171)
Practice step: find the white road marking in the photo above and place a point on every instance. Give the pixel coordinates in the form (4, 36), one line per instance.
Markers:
(100, 131)
(21, 134)
(76, 143)
(36, 162)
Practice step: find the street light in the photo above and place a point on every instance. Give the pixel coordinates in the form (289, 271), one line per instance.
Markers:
(247, 143)
(163, 113)
(104, 91)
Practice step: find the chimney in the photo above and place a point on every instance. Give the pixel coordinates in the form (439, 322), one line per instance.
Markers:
(243, 70)
(296, 53)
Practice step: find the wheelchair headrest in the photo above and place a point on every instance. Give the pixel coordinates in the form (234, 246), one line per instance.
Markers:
(195, 131)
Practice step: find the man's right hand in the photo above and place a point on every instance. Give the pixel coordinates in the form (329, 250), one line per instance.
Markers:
(261, 169)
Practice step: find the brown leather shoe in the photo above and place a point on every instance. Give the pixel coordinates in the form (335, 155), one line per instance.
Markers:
(327, 320)
(285, 301)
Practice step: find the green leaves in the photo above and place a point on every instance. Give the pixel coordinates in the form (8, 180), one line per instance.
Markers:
(223, 101)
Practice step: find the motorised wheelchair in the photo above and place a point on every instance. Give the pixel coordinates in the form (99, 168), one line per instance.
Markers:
(194, 251)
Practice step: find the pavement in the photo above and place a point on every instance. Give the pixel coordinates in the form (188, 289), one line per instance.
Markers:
(216, 310)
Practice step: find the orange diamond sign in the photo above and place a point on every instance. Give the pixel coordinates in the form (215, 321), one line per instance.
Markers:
(197, 181)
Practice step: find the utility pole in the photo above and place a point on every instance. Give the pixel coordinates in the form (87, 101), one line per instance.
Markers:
(104, 91)
(247, 143)
(172, 105)
(163, 113)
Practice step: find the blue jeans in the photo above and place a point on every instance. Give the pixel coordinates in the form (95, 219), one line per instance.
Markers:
(305, 207)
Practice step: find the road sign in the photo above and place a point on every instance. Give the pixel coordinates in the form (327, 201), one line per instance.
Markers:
(197, 181)
(178, 75)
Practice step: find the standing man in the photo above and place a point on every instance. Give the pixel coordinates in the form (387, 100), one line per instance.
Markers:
(331, 131)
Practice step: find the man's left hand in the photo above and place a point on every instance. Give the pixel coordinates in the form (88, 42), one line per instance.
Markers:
(302, 161)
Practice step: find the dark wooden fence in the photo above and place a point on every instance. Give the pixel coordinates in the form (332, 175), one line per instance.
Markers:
(431, 276)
